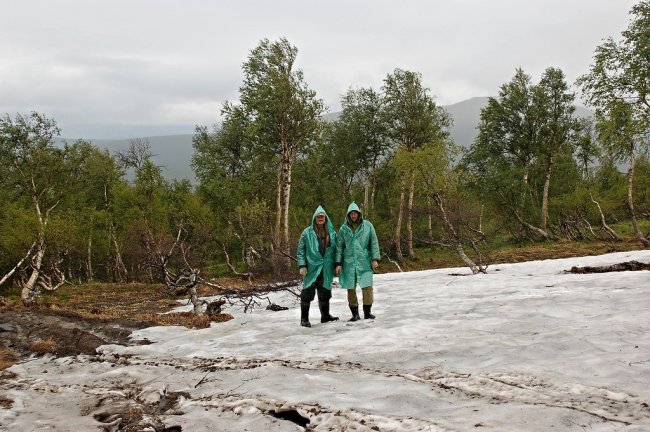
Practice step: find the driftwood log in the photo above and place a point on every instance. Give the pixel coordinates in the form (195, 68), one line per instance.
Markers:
(624, 266)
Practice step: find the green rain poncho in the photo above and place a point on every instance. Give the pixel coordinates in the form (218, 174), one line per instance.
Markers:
(309, 254)
(355, 251)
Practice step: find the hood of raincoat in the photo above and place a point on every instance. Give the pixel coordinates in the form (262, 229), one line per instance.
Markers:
(319, 210)
(354, 207)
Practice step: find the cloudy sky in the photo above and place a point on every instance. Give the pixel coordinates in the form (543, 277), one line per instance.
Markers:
(163, 62)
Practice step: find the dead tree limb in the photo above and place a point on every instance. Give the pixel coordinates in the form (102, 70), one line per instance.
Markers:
(394, 262)
(17, 266)
(624, 266)
(247, 275)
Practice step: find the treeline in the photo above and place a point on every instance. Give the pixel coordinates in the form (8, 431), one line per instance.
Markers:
(535, 172)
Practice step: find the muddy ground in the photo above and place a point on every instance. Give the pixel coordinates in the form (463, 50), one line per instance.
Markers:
(20, 331)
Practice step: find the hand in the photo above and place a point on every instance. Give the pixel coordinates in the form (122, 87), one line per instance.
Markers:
(303, 271)
(375, 264)
(338, 270)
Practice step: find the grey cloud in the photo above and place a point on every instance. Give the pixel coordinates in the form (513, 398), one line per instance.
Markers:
(169, 62)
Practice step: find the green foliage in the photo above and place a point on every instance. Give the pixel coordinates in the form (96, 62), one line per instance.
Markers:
(412, 116)
(273, 140)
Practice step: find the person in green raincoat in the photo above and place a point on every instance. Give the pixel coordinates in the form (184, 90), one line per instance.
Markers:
(357, 255)
(316, 252)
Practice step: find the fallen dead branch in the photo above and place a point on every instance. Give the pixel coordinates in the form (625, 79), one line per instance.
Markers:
(624, 266)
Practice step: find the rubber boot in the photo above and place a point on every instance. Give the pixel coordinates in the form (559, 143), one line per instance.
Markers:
(355, 313)
(304, 315)
(325, 312)
(366, 312)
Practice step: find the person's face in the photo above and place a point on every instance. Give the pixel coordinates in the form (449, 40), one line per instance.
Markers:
(354, 216)
(320, 219)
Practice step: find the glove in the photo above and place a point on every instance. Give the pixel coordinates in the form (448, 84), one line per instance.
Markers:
(375, 264)
(303, 271)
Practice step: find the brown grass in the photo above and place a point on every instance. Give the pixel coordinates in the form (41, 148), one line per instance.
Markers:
(43, 346)
(8, 358)
(559, 249)
(512, 254)
(114, 302)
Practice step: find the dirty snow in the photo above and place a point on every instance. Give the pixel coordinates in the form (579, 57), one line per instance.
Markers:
(526, 347)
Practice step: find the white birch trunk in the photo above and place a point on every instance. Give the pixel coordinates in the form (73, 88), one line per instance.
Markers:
(17, 266)
(547, 185)
(630, 202)
(285, 223)
(409, 220)
(398, 229)
(28, 290)
(89, 260)
(456, 244)
(366, 193)
(603, 221)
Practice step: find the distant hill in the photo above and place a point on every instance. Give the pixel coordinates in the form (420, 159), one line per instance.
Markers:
(174, 151)
(466, 115)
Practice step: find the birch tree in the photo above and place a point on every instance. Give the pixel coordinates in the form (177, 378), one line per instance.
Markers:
(625, 136)
(617, 85)
(284, 116)
(413, 120)
(37, 169)
(503, 154)
(555, 112)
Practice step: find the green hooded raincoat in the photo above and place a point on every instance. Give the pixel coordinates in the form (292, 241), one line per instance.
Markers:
(309, 255)
(356, 250)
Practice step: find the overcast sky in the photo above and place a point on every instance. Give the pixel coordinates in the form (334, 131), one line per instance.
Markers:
(160, 62)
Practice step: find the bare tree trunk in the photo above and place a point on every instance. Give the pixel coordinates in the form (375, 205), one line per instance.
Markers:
(630, 203)
(120, 274)
(27, 293)
(373, 190)
(366, 193)
(277, 236)
(398, 230)
(547, 185)
(17, 266)
(453, 234)
(430, 216)
(544, 234)
(523, 192)
(603, 222)
(286, 261)
(409, 220)
(89, 260)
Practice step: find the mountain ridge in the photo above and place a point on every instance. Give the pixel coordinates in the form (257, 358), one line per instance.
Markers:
(174, 151)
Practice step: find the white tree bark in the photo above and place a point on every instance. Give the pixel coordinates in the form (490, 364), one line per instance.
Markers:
(630, 202)
(455, 240)
(603, 221)
(17, 266)
(89, 259)
(409, 220)
(398, 229)
(547, 186)
(28, 290)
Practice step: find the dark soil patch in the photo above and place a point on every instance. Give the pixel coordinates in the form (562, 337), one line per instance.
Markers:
(77, 319)
(19, 331)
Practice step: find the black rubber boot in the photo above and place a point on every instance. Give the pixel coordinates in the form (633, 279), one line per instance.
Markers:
(304, 315)
(355, 313)
(325, 312)
(366, 312)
